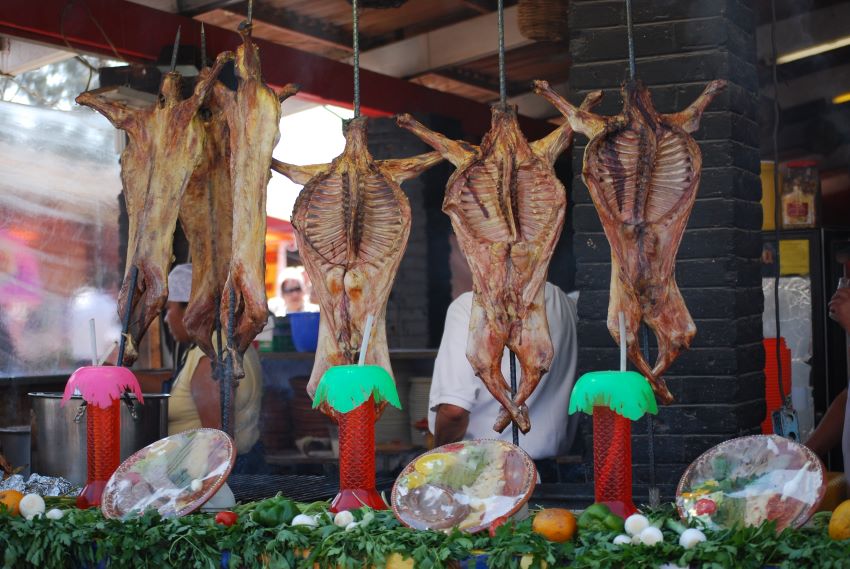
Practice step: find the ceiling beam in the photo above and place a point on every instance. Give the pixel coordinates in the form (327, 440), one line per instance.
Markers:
(20, 57)
(304, 38)
(804, 30)
(164, 5)
(824, 84)
(138, 34)
(480, 6)
(449, 46)
(295, 22)
(195, 7)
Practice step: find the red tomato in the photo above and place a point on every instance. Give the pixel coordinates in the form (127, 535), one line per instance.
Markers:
(705, 506)
(226, 518)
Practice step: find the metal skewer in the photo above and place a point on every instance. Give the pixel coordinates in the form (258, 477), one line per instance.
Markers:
(125, 325)
(654, 493)
(514, 428)
(203, 46)
(227, 379)
(503, 96)
(356, 42)
(174, 51)
(631, 39)
(503, 102)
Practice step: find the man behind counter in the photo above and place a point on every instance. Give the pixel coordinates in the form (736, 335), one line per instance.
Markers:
(461, 407)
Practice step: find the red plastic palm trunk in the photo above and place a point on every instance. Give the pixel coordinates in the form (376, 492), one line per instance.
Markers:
(103, 442)
(612, 460)
(357, 460)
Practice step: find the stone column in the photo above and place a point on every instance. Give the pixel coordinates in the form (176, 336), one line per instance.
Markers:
(680, 46)
(409, 318)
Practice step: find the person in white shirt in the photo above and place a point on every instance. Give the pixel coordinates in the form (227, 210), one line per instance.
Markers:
(461, 407)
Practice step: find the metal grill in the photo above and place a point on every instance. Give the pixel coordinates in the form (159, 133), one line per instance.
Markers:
(298, 487)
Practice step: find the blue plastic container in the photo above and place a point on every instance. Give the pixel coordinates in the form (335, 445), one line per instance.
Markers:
(305, 330)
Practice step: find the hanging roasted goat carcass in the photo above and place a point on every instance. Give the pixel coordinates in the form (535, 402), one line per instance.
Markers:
(351, 223)
(507, 207)
(252, 113)
(642, 169)
(206, 215)
(165, 145)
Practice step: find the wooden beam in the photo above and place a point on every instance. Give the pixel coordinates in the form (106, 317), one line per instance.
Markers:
(469, 40)
(276, 34)
(138, 33)
(197, 7)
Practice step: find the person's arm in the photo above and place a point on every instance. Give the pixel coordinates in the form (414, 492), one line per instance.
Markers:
(206, 394)
(839, 306)
(450, 424)
(454, 387)
(828, 433)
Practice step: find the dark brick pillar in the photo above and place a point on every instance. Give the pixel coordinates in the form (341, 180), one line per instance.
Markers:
(680, 46)
(408, 305)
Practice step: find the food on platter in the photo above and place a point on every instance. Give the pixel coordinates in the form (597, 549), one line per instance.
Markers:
(507, 208)
(252, 114)
(174, 475)
(467, 485)
(642, 169)
(165, 144)
(206, 215)
(351, 222)
(749, 480)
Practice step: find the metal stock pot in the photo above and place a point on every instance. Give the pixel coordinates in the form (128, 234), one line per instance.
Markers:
(59, 433)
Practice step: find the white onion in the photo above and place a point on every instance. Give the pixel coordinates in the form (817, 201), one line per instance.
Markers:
(31, 505)
(651, 536)
(343, 518)
(691, 537)
(304, 520)
(54, 514)
(635, 524)
(622, 539)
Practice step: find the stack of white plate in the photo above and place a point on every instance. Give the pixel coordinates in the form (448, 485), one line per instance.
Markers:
(392, 427)
(420, 388)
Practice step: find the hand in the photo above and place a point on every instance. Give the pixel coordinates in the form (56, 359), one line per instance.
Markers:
(839, 307)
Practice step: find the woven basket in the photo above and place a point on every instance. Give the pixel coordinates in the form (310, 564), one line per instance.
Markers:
(544, 20)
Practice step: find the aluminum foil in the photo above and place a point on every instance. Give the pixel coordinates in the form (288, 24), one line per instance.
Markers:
(41, 485)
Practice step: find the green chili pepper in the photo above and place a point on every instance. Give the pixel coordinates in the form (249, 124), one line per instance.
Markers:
(274, 512)
(599, 517)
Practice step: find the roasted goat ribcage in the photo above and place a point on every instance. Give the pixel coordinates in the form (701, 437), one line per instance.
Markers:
(351, 222)
(507, 208)
(642, 169)
(252, 114)
(165, 145)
